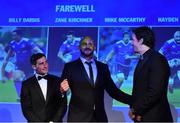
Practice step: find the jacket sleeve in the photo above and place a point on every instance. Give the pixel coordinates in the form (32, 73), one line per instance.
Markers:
(62, 102)
(26, 104)
(62, 108)
(65, 72)
(113, 91)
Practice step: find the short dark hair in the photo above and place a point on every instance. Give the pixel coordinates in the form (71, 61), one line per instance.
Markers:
(35, 57)
(146, 34)
(125, 33)
(18, 32)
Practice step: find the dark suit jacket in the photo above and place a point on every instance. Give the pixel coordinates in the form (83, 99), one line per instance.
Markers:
(35, 108)
(86, 96)
(150, 88)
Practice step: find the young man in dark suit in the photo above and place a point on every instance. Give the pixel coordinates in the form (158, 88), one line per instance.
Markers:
(150, 103)
(87, 79)
(41, 99)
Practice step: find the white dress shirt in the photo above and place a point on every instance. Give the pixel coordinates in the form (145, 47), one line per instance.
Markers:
(94, 68)
(43, 85)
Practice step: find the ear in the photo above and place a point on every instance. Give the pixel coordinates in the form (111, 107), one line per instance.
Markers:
(94, 47)
(141, 40)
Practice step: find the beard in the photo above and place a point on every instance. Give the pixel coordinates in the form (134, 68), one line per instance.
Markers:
(90, 54)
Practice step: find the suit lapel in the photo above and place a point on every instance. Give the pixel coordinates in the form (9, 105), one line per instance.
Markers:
(49, 88)
(37, 88)
(84, 73)
(140, 65)
(98, 68)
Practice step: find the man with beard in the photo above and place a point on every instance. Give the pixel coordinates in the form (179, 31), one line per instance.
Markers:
(22, 48)
(122, 52)
(68, 50)
(87, 79)
(171, 50)
(120, 58)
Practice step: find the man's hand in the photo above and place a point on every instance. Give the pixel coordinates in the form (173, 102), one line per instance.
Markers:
(131, 114)
(64, 86)
(138, 118)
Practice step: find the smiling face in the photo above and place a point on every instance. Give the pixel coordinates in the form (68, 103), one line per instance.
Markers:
(87, 47)
(177, 37)
(16, 37)
(70, 38)
(136, 43)
(41, 66)
(126, 38)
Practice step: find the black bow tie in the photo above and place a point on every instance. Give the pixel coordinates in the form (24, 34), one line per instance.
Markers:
(40, 77)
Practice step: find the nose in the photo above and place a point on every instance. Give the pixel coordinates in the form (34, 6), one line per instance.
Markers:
(45, 64)
(88, 45)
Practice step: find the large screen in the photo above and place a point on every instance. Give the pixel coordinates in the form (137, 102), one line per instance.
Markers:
(46, 26)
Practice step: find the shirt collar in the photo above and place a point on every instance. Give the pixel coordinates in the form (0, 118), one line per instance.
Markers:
(36, 74)
(84, 60)
(146, 54)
